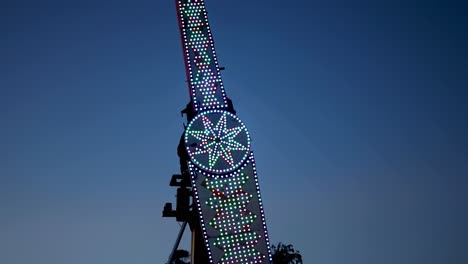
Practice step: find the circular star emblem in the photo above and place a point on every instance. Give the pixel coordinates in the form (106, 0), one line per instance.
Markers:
(217, 141)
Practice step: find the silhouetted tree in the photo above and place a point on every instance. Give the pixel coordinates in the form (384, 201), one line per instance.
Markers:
(181, 257)
(285, 254)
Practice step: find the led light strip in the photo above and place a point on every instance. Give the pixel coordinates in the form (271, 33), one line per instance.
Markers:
(203, 74)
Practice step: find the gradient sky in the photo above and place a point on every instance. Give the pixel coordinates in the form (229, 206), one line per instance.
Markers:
(357, 111)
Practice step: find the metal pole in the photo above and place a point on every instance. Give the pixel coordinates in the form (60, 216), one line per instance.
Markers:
(176, 245)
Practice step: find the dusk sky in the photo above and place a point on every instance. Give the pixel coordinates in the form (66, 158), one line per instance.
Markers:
(357, 112)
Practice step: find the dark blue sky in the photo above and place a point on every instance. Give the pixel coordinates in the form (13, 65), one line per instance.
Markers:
(357, 113)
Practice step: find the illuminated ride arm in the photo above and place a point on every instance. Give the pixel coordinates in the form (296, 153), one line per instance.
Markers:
(221, 164)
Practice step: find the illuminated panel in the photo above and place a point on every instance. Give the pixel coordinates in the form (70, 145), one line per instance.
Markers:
(206, 86)
(232, 217)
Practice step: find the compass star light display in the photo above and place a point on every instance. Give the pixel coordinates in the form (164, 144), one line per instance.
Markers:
(222, 146)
